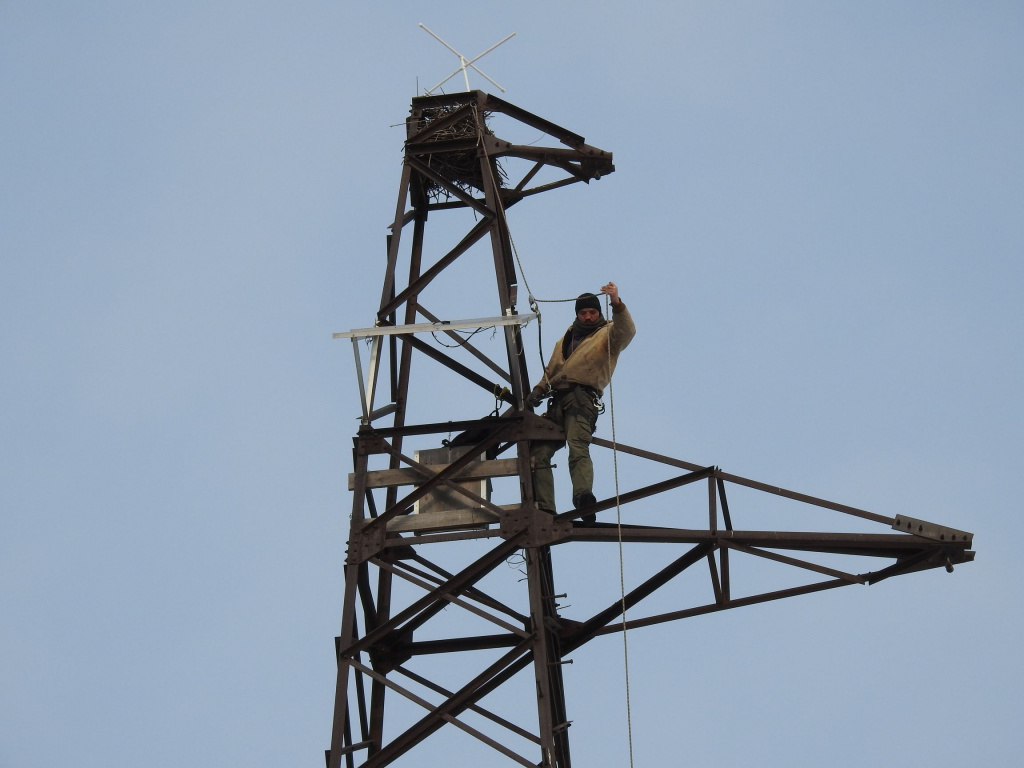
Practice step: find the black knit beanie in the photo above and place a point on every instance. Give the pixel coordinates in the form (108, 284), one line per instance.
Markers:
(587, 301)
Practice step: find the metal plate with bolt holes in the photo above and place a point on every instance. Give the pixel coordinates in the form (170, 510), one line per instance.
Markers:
(930, 530)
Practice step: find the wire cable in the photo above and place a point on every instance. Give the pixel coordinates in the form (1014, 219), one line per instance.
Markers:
(622, 565)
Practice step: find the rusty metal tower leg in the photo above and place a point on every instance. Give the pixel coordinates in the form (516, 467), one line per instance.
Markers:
(341, 730)
(547, 659)
(504, 265)
(384, 584)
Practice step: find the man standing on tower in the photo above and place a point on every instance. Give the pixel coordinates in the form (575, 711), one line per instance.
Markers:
(581, 366)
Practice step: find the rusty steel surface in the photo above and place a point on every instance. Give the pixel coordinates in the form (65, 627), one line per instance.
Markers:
(453, 161)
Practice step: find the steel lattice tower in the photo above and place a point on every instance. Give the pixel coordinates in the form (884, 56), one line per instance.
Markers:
(453, 161)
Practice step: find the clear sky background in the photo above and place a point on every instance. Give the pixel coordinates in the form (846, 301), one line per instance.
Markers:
(815, 220)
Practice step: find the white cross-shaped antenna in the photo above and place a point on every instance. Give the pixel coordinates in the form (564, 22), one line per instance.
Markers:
(464, 62)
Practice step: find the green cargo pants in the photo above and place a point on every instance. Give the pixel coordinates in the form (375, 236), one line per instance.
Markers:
(575, 412)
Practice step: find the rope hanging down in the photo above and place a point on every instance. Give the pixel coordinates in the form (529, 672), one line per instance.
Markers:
(622, 565)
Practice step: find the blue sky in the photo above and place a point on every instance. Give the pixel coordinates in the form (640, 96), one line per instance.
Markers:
(815, 220)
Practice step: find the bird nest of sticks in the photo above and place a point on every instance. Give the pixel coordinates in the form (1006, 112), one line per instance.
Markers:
(461, 165)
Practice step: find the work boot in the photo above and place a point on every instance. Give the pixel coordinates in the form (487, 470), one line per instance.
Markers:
(585, 499)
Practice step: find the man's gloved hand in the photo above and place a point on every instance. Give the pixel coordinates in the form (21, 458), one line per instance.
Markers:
(536, 397)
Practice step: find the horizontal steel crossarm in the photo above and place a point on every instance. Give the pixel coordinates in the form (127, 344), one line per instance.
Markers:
(445, 716)
(588, 629)
(567, 137)
(579, 168)
(547, 155)
(454, 586)
(893, 545)
(582, 164)
(492, 677)
(474, 708)
(402, 573)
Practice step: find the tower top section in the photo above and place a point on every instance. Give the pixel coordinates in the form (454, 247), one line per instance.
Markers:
(448, 135)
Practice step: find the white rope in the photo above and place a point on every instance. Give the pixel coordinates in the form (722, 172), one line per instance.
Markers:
(622, 566)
